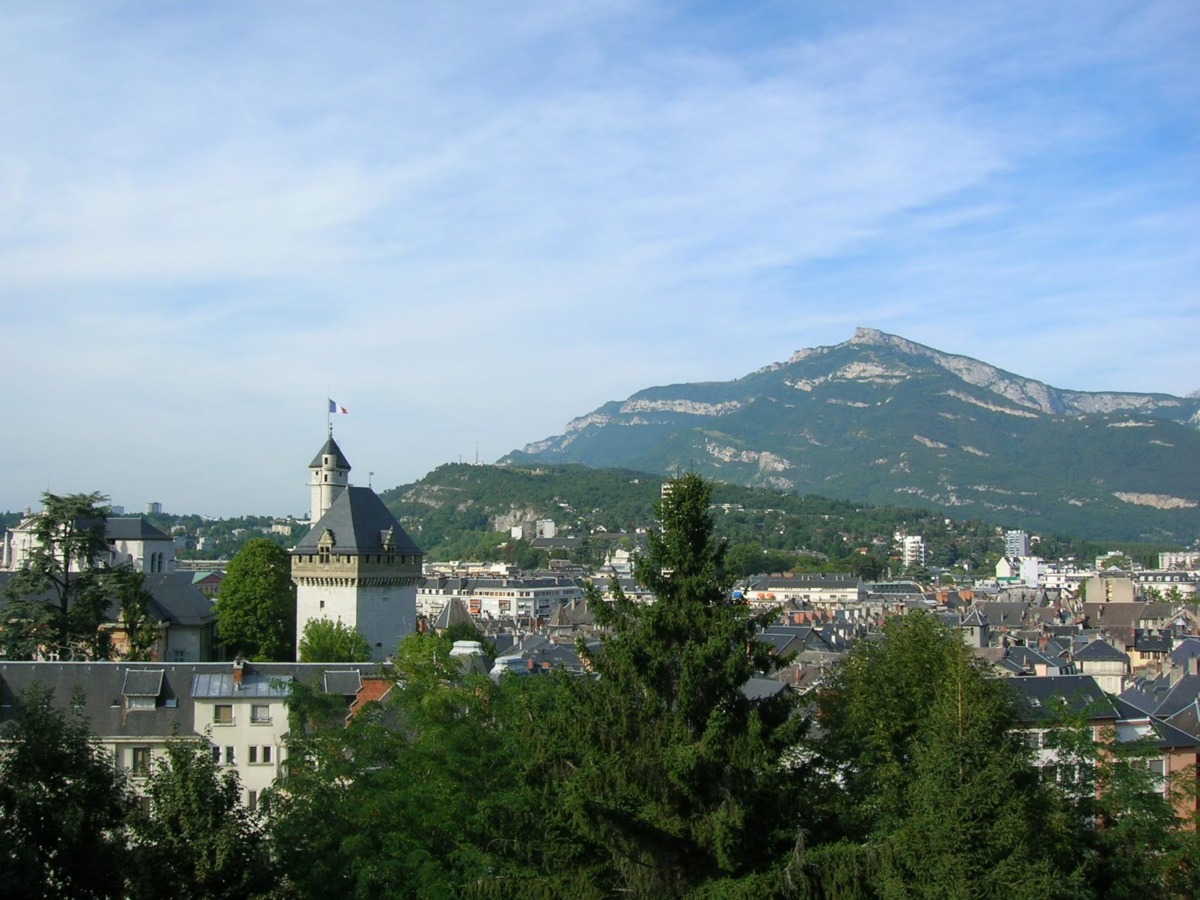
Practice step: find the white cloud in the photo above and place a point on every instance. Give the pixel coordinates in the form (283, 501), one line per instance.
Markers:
(483, 221)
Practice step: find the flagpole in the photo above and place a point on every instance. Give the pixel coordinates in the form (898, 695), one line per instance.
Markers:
(328, 412)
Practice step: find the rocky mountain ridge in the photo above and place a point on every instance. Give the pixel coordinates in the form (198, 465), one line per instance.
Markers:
(883, 419)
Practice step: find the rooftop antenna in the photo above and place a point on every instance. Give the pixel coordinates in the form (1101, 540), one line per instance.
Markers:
(477, 453)
(370, 475)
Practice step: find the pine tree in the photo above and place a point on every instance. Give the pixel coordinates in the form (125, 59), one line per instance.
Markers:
(669, 771)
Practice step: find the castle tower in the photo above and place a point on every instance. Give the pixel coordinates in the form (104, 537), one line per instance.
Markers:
(356, 565)
(330, 475)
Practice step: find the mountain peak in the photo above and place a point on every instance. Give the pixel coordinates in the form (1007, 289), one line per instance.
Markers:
(880, 418)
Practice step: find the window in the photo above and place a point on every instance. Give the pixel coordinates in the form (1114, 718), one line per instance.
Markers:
(260, 714)
(178, 656)
(323, 554)
(139, 702)
(141, 761)
(266, 753)
(253, 757)
(260, 754)
(229, 757)
(223, 714)
(252, 800)
(216, 754)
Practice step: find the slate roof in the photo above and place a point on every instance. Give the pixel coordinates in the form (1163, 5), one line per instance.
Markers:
(142, 683)
(756, 689)
(132, 528)
(176, 599)
(1186, 649)
(1152, 642)
(103, 686)
(330, 448)
(342, 681)
(1041, 697)
(454, 612)
(1101, 651)
(173, 599)
(359, 522)
(100, 686)
(1183, 693)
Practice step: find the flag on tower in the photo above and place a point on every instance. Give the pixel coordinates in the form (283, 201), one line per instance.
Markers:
(334, 408)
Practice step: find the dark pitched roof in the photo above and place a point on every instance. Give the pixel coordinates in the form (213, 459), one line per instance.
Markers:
(453, 613)
(1042, 697)
(762, 689)
(176, 599)
(142, 683)
(1101, 651)
(1186, 649)
(330, 448)
(132, 528)
(359, 523)
(102, 686)
(343, 681)
(173, 599)
(1183, 693)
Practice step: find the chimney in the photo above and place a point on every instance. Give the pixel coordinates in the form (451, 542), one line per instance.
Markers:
(1193, 665)
(238, 665)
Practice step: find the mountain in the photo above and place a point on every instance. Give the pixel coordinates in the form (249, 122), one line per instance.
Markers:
(885, 420)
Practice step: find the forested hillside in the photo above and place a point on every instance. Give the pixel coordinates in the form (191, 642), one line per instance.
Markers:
(455, 511)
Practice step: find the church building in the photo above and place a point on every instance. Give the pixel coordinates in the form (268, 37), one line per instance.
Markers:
(356, 565)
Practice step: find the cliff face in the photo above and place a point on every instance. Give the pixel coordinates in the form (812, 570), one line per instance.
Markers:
(883, 419)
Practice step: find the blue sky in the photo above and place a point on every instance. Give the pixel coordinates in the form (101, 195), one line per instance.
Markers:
(471, 222)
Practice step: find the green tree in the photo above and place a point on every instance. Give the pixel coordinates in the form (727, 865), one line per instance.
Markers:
(197, 841)
(256, 607)
(662, 764)
(324, 640)
(930, 788)
(64, 575)
(416, 799)
(63, 806)
(141, 631)
(1125, 822)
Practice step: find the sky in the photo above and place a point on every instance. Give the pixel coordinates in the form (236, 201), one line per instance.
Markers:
(469, 223)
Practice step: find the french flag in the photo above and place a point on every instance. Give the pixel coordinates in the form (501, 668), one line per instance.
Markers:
(334, 408)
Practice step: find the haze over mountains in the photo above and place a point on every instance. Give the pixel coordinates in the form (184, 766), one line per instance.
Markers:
(882, 419)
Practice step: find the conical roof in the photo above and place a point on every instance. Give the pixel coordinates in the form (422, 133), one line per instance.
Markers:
(330, 449)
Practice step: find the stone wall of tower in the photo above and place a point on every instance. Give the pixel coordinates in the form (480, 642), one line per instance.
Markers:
(377, 597)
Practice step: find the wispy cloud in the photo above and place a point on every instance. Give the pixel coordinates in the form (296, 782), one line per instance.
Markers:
(479, 221)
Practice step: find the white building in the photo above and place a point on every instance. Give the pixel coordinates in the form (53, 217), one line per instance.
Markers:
(238, 711)
(912, 549)
(506, 597)
(131, 541)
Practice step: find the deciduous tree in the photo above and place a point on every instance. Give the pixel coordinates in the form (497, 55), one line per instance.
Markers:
(198, 840)
(324, 640)
(65, 574)
(63, 806)
(256, 607)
